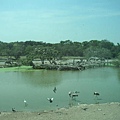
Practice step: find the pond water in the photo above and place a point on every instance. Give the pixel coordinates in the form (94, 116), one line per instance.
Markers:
(36, 86)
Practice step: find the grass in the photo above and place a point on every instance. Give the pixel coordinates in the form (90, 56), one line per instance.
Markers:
(21, 68)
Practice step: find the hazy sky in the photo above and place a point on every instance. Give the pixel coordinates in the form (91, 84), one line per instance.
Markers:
(53, 21)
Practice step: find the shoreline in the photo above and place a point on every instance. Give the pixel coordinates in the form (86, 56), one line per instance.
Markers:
(104, 111)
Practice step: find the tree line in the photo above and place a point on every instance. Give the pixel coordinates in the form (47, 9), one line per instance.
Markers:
(51, 51)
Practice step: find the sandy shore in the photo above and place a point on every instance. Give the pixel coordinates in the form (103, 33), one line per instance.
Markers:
(106, 111)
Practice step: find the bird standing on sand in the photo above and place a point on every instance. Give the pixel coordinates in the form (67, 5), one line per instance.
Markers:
(13, 109)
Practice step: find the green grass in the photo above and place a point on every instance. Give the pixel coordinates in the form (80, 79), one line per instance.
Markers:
(21, 68)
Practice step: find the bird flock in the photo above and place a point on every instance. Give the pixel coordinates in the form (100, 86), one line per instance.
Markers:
(71, 94)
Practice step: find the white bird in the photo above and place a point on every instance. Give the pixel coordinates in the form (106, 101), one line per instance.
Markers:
(70, 93)
(50, 99)
(25, 102)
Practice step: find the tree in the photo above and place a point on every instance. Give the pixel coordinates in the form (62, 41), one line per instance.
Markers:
(17, 50)
(117, 62)
(46, 53)
(97, 52)
(49, 51)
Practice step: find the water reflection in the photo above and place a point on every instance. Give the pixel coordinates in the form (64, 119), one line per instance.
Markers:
(118, 74)
(42, 78)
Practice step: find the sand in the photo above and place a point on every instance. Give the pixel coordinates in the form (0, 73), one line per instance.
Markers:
(106, 111)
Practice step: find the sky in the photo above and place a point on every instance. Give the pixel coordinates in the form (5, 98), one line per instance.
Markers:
(52, 21)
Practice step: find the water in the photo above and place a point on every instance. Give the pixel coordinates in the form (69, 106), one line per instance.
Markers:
(36, 86)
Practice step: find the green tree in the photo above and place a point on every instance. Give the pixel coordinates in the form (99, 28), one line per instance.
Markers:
(117, 62)
(46, 53)
(97, 52)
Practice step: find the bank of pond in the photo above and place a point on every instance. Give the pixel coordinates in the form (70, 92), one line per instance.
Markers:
(63, 64)
(82, 66)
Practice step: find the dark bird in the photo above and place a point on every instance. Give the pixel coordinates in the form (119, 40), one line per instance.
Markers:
(76, 92)
(85, 109)
(50, 100)
(73, 94)
(96, 93)
(55, 89)
(13, 109)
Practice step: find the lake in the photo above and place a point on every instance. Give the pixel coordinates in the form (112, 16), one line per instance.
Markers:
(37, 85)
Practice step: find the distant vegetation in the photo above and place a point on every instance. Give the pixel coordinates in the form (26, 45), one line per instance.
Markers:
(25, 52)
